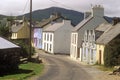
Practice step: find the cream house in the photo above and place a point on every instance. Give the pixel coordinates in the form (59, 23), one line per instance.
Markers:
(111, 33)
(91, 20)
(20, 30)
(56, 37)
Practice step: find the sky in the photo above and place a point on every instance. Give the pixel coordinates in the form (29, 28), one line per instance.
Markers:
(18, 7)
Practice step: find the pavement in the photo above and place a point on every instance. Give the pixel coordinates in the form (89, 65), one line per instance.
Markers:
(62, 67)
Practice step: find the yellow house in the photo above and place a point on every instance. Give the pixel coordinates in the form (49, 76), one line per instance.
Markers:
(110, 32)
(20, 30)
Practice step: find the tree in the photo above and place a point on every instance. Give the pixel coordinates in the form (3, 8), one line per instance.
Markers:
(5, 28)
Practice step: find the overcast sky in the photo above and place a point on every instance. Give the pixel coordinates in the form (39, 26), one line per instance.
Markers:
(18, 7)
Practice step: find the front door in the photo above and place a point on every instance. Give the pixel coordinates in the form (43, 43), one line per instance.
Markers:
(99, 56)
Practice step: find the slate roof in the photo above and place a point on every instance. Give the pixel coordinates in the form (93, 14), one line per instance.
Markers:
(44, 22)
(103, 27)
(18, 24)
(109, 34)
(98, 34)
(53, 27)
(15, 28)
(5, 44)
(82, 23)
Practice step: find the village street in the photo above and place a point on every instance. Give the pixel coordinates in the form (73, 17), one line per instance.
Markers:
(61, 67)
(58, 67)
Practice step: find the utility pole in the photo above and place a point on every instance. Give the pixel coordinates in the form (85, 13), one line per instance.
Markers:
(30, 52)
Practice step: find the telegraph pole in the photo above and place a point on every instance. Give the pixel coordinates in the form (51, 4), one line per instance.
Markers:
(30, 52)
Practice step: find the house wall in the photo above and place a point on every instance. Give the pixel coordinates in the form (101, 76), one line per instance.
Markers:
(91, 25)
(88, 54)
(37, 38)
(23, 33)
(73, 47)
(14, 36)
(100, 50)
(62, 38)
(48, 42)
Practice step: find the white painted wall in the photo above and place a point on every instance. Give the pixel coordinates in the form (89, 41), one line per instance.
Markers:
(48, 41)
(73, 48)
(60, 42)
(62, 38)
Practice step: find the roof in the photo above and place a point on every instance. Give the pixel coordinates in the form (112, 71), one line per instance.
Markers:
(109, 34)
(103, 27)
(5, 44)
(82, 23)
(54, 27)
(98, 34)
(44, 22)
(16, 28)
(18, 24)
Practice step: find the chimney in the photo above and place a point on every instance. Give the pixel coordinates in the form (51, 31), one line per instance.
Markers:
(116, 20)
(98, 11)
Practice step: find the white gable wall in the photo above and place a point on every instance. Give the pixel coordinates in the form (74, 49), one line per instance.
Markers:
(48, 41)
(73, 47)
(92, 24)
(62, 38)
(88, 26)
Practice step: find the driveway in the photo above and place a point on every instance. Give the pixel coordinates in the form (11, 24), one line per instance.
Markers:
(62, 67)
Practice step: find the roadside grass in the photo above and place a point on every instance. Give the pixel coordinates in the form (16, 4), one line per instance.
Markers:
(103, 68)
(25, 71)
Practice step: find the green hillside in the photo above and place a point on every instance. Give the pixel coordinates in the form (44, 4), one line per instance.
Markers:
(75, 16)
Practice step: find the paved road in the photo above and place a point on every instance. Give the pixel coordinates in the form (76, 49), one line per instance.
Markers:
(60, 67)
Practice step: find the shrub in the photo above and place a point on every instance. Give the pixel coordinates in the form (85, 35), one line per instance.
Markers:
(24, 48)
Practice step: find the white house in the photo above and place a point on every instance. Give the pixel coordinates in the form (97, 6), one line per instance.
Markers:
(89, 47)
(56, 37)
(91, 21)
(38, 28)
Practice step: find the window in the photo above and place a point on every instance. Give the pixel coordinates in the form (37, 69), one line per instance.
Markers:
(51, 37)
(47, 37)
(44, 36)
(47, 46)
(75, 39)
(84, 52)
(50, 47)
(44, 46)
(91, 54)
(72, 38)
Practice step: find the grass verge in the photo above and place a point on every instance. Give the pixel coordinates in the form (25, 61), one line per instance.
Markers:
(103, 68)
(25, 71)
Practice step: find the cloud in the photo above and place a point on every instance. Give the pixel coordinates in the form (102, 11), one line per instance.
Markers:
(16, 7)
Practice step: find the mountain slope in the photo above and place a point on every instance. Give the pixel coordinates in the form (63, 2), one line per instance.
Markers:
(75, 16)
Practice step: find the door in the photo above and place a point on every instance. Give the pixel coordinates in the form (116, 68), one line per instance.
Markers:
(100, 56)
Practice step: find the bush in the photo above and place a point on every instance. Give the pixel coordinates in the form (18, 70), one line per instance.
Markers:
(24, 48)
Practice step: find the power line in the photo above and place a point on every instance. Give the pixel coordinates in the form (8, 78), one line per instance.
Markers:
(64, 5)
(26, 4)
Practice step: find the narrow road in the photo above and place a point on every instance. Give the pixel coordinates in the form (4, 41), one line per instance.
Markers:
(60, 67)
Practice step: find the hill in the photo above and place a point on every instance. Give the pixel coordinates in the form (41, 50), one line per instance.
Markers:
(75, 16)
